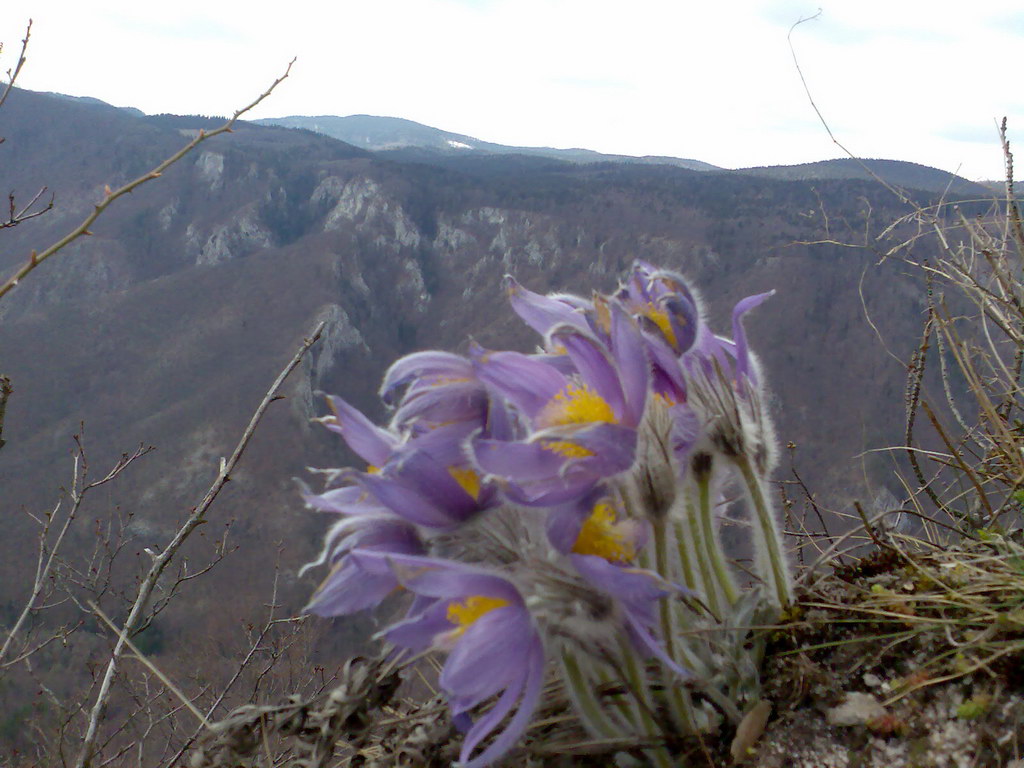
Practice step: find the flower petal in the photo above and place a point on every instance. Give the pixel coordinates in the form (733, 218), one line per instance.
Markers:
(517, 725)
(417, 632)
(408, 502)
(565, 520)
(632, 362)
(489, 655)
(351, 500)
(594, 364)
(541, 312)
(442, 404)
(438, 365)
(527, 383)
(434, 577)
(371, 443)
(684, 320)
(348, 589)
(743, 368)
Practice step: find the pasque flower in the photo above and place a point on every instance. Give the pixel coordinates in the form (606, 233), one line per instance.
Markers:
(581, 425)
(561, 506)
(480, 619)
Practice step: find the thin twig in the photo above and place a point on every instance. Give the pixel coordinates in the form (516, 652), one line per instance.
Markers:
(12, 75)
(16, 217)
(899, 193)
(6, 390)
(45, 564)
(122, 637)
(35, 259)
(161, 561)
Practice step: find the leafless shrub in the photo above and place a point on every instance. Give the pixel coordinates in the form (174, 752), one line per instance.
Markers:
(121, 711)
(974, 333)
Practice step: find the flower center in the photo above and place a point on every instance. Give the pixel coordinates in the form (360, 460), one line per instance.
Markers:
(660, 318)
(603, 536)
(463, 614)
(577, 404)
(566, 450)
(467, 479)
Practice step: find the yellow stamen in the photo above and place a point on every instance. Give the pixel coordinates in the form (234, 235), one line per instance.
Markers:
(603, 536)
(603, 313)
(372, 470)
(667, 400)
(577, 404)
(441, 381)
(660, 319)
(464, 613)
(467, 479)
(566, 449)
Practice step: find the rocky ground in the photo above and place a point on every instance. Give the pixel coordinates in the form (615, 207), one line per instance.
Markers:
(911, 659)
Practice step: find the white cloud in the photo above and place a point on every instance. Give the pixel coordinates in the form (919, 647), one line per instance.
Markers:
(712, 82)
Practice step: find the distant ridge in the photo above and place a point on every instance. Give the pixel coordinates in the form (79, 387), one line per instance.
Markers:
(388, 134)
(896, 172)
(409, 140)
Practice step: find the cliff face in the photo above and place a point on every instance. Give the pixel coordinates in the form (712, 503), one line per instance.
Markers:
(168, 323)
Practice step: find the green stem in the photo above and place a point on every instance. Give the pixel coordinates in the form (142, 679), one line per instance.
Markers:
(701, 549)
(679, 701)
(689, 575)
(637, 682)
(772, 544)
(725, 580)
(588, 707)
(664, 570)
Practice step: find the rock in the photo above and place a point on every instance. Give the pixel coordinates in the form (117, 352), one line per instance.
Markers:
(872, 680)
(750, 730)
(855, 709)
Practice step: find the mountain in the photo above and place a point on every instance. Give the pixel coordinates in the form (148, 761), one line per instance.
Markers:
(95, 102)
(406, 140)
(417, 141)
(898, 173)
(167, 324)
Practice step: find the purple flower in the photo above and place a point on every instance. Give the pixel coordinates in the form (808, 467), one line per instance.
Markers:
(665, 305)
(440, 389)
(744, 365)
(582, 426)
(636, 592)
(547, 474)
(593, 525)
(424, 479)
(542, 313)
(429, 485)
(371, 443)
(365, 525)
(480, 618)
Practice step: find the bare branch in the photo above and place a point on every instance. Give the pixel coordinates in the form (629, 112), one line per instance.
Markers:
(46, 561)
(12, 75)
(16, 216)
(6, 390)
(122, 637)
(161, 561)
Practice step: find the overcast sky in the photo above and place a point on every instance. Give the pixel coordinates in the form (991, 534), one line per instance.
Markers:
(920, 80)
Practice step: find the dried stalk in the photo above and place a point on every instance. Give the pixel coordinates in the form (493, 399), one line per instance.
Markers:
(161, 561)
(12, 75)
(45, 561)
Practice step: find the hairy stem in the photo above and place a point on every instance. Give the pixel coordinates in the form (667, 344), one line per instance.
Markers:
(770, 539)
(714, 546)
